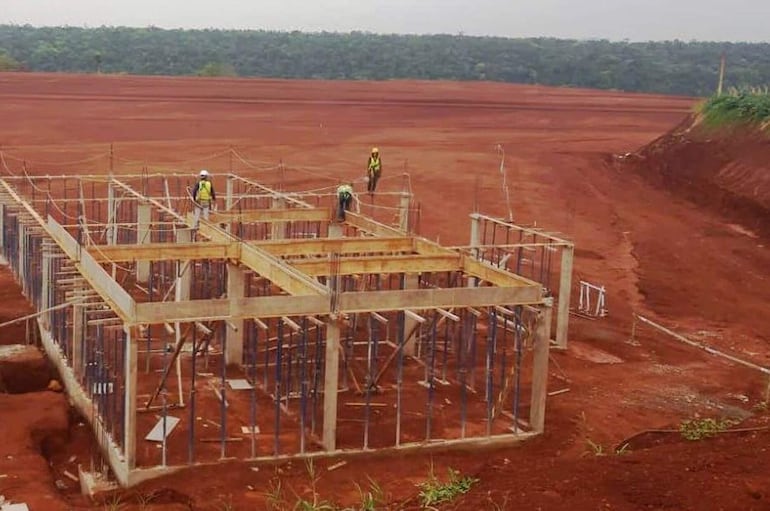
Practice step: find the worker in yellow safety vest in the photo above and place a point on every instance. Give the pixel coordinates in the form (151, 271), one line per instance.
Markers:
(204, 196)
(373, 170)
(345, 196)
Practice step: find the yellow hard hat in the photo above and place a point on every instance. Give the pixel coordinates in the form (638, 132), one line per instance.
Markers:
(375, 150)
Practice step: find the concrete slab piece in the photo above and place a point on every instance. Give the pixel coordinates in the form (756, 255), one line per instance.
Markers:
(239, 384)
(156, 434)
(14, 507)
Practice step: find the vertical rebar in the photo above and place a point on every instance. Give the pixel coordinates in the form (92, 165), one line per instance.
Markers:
(223, 390)
(431, 376)
(278, 362)
(191, 439)
(253, 343)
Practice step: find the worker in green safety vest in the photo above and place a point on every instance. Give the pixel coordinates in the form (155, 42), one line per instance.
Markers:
(204, 196)
(373, 170)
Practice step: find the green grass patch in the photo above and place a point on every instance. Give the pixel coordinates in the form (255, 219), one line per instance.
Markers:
(744, 107)
(434, 491)
(698, 429)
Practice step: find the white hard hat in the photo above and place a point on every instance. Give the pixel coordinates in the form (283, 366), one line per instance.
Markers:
(204, 173)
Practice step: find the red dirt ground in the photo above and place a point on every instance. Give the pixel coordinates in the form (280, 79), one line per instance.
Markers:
(658, 255)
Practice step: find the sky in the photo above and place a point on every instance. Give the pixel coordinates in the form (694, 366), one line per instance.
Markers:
(635, 20)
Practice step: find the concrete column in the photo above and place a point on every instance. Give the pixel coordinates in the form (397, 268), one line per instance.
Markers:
(236, 288)
(331, 384)
(331, 365)
(565, 290)
(540, 371)
(22, 258)
(45, 291)
(143, 219)
(411, 281)
(475, 240)
(403, 212)
(129, 428)
(78, 330)
(112, 232)
(229, 200)
(278, 228)
(2, 226)
(184, 271)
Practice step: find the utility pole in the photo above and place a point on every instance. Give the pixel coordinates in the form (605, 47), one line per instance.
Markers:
(721, 75)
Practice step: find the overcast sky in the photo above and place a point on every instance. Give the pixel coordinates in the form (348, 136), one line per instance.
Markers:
(718, 20)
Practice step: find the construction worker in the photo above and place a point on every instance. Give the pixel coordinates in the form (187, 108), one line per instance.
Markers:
(345, 196)
(373, 170)
(204, 196)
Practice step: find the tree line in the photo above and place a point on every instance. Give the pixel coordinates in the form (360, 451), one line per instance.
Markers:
(671, 67)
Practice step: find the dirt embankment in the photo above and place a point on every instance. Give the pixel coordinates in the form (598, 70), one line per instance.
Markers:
(727, 171)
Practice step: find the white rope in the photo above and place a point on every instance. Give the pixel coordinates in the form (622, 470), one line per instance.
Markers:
(44, 163)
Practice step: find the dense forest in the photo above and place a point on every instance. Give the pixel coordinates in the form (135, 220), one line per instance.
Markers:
(672, 67)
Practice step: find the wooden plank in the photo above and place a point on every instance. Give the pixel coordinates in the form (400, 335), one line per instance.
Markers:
(274, 215)
(342, 246)
(381, 264)
(164, 252)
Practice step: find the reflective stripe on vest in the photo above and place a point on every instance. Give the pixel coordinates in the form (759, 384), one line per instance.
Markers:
(374, 163)
(204, 191)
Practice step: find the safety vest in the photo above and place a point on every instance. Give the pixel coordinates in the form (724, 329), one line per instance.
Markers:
(374, 164)
(345, 191)
(204, 191)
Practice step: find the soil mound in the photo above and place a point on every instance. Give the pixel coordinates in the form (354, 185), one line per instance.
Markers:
(727, 171)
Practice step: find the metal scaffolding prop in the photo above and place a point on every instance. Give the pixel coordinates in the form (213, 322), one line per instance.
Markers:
(272, 331)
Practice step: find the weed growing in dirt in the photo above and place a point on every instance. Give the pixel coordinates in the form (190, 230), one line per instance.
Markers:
(434, 491)
(738, 107)
(598, 449)
(114, 503)
(315, 504)
(698, 429)
(145, 499)
(373, 498)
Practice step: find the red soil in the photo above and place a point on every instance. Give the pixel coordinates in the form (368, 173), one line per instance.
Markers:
(657, 253)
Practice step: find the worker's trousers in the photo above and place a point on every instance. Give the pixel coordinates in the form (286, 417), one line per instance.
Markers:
(371, 185)
(343, 206)
(202, 207)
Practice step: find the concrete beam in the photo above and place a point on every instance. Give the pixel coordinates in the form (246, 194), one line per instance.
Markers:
(265, 264)
(279, 214)
(351, 302)
(410, 264)
(110, 291)
(496, 276)
(164, 251)
(342, 246)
